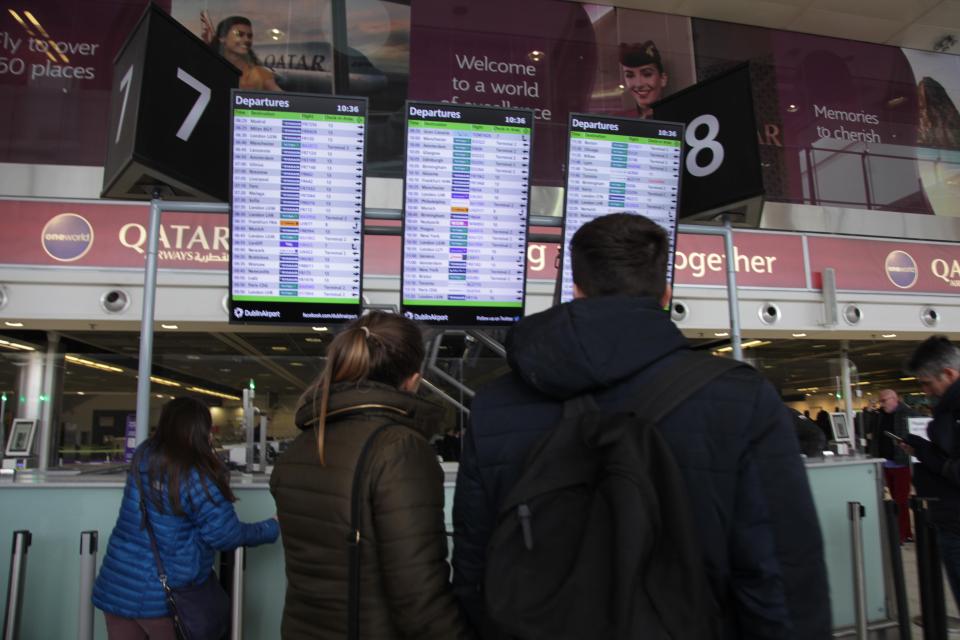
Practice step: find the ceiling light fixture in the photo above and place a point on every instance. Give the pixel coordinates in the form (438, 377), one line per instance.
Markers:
(721, 334)
(888, 335)
(320, 328)
(279, 347)
(13, 324)
(907, 379)
(15, 346)
(169, 326)
(164, 381)
(92, 364)
(215, 394)
(799, 335)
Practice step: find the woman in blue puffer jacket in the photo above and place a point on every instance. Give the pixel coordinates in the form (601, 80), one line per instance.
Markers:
(188, 500)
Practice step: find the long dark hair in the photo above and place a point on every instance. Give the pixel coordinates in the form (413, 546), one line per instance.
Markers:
(378, 347)
(181, 445)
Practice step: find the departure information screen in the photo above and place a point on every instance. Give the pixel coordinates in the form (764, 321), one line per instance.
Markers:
(296, 224)
(466, 205)
(620, 165)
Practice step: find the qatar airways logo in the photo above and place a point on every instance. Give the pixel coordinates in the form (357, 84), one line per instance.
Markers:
(901, 269)
(67, 237)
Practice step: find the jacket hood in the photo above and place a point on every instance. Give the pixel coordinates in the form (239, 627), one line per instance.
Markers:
(351, 399)
(590, 344)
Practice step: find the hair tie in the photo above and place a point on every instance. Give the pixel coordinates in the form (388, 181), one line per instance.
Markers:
(366, 331)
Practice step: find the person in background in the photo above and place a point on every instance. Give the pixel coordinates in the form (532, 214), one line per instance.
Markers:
(643, 76)
(370, 379)
(233, 39)
(936, 365)
(812, 440)
(189, 504)
(893, 417)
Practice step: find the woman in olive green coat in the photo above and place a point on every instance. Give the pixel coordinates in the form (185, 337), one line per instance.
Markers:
(369, 382)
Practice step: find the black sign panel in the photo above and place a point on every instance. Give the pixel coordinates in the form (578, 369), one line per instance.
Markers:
(466, 205)
(722, 166)
(296, 224)
(168, 106)
(620, 165)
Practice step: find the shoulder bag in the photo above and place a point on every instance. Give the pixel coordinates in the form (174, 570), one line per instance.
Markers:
(199, 612)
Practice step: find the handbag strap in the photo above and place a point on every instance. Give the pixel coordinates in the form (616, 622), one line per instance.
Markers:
(353, 538)
(145, 521)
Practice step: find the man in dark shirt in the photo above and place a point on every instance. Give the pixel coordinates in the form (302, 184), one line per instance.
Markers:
(936, 364)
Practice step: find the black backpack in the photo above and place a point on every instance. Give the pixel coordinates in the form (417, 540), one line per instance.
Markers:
(596, 539)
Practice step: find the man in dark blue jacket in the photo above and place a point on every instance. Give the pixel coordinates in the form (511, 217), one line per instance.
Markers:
(733, 440)
(936, 364)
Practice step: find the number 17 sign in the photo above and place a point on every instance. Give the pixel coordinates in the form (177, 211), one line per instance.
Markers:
(168, 115)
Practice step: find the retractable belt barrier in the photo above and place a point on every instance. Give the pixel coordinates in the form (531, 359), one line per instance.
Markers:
(88, 574)
(18, 570)
(896, 564)
(929, 574)
(236, 594)
(855, 511)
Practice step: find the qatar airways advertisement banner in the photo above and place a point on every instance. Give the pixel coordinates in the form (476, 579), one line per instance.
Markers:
(553, 57)
(879, 265)
(56, 68)
(845, 123)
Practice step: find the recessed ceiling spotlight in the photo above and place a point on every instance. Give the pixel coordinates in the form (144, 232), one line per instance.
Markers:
(799, 335)
(13, 324)
(888, 335)
(169, 326)
(279, 347)
(320, 328)
(721, 334)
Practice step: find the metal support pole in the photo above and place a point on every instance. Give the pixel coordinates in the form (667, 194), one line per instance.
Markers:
(896, 564)
(732, 299)
(88, 573)
(847, 391)
(48, 389)
(855, 511)
(489, 342)
(248, 422)
(929, 576)
(18, 570)
(146, 321)
(433, 368)
(236, 594)
(264, 421)
(429, 386)
(3, 415)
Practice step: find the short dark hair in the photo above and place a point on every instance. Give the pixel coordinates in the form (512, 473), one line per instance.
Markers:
(638, 54)
(934, 354)
(620, 254)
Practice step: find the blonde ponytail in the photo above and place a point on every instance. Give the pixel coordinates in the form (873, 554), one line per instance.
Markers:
(378, 347)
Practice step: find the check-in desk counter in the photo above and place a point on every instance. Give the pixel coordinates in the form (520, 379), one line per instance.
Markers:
(57, 508)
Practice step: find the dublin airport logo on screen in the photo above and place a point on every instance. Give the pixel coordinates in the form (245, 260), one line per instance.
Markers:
(901, 269)
(67, 237)
(238, 312)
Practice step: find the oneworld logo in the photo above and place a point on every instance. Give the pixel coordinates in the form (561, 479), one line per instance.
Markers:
(67, 237)
(901, 269)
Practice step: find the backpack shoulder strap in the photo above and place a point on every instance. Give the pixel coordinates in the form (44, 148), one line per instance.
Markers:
(684, 376)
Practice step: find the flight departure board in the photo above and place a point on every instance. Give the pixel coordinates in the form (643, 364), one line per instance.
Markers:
(620, 165)
(296, 224)
(466, 203)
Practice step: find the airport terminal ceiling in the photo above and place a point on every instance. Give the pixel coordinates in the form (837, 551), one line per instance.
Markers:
(283, 364)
